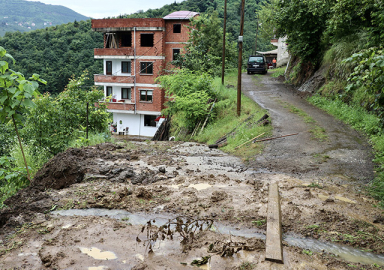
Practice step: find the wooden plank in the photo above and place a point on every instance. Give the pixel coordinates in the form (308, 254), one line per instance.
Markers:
(274, 246)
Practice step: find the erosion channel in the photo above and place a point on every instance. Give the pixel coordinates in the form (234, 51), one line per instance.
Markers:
(182, 205)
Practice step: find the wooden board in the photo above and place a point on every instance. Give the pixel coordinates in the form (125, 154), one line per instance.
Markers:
(274, 246)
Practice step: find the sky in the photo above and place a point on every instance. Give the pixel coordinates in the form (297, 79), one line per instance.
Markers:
(99, 9)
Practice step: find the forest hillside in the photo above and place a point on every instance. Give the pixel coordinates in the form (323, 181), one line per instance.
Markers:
(24, 16)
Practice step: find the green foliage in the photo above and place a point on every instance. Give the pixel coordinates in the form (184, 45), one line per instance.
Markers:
(56, 53)
(33, 15)
(351, 16)
(278, 72)
(93, 139)
(55, 121)
(304, 23)
(189, 94)
(11, 179)
(366, 82)
(204, 50)
(226, 120)
(16, 92)
(36, 157)
(361, 120)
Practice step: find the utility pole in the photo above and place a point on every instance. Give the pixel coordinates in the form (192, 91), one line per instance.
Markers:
(240, 58)
(257, 32)
(224, 30)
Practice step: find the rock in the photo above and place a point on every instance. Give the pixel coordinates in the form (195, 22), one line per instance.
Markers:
(116, 171)
(104, 169)
(143, 193)
(162, 169)
(218, 196)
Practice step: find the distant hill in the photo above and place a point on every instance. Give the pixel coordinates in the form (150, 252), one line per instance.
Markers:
(23, 16)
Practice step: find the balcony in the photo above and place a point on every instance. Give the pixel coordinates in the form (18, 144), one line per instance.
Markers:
(124, 51)
(122, 105)
(100, 78)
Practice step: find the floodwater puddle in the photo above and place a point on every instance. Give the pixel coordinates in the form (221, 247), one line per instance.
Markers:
(101, 267)
(98, 254)
(200, 186)
(345, 252)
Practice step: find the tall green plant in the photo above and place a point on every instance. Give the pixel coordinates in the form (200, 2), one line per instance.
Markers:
(16, 95)
(189, 94)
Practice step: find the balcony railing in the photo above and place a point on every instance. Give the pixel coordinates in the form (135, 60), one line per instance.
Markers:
(125, 51)
(101, 78)
(123, 105)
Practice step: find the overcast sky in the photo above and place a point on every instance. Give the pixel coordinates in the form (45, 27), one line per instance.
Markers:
(107, 8)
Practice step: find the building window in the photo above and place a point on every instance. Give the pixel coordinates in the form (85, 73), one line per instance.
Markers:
(146, 68)
(126, 39)
(175, 53)
(109, 67)
(126, 67)
(177, 28)
(146, 95)
(146, 40)
(149, 120)
(126, 93)
(109, 91)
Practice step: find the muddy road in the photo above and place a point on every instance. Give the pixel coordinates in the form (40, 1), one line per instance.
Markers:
(150, 205)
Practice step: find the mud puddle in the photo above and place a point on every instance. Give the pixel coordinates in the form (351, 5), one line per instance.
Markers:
(347, 253)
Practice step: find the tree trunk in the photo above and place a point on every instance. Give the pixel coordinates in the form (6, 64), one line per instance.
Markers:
(21, 147)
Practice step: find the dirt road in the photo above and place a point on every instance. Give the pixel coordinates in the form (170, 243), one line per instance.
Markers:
(150, 205)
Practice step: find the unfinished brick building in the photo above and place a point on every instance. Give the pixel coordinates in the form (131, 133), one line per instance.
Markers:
(135, 53)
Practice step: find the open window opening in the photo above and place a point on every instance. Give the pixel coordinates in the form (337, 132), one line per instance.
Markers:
(149, 120)
(177, 28)
(146, 40)
(126, 39)
(110, 41)
(175, 53)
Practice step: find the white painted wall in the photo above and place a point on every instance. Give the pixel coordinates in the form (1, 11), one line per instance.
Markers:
(116, 67)
(135, 123)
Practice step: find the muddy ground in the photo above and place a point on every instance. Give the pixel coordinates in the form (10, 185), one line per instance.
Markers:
(123, 186)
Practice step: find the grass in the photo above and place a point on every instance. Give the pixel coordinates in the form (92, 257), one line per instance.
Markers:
(277, 72)
(363, 121)
(318, 132)
(227, 119)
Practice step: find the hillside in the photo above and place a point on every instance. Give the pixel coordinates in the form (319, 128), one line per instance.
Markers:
(23, 16)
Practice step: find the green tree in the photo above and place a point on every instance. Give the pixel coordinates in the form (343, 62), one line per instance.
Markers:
(189, 94)
(304, 23)
(16, 94)
(204, 50)
(55, 121)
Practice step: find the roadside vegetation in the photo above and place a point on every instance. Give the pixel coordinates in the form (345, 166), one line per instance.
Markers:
(340, 41)
(36, 127)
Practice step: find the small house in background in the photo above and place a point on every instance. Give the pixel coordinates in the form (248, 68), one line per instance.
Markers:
(282, 55)
(135, 53)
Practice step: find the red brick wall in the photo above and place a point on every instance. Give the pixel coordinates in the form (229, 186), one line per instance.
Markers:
(120, 106)
(156, 105)
(120, 51)
(107, 23)
(113, 79)
(157, 68)
(156, 50)
(176, 37)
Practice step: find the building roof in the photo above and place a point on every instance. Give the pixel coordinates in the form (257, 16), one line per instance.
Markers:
(181, 15)
(269, 52)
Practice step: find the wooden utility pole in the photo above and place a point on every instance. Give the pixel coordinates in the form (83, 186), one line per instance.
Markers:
(257, 32)
(240, 58)
(224, 30)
